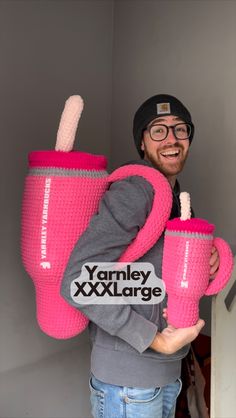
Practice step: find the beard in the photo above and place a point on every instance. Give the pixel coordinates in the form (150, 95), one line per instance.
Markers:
(166, 167)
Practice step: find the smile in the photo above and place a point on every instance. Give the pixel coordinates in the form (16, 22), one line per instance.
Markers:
(171, 153)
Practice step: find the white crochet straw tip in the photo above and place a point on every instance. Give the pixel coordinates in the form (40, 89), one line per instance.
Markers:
(68, 124)
(76, 101)
(185, 206)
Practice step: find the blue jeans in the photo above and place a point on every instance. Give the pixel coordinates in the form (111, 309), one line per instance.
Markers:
(111, 401)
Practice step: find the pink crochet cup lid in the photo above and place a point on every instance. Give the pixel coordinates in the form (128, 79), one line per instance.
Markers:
(71, 160)
(196, 225)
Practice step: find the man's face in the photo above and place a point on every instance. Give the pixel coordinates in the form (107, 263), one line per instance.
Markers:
(169, 155)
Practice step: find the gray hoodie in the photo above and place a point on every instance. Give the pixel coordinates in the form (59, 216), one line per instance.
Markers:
(121, 334)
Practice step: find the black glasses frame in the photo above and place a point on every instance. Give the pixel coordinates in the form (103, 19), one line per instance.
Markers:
(173, 127)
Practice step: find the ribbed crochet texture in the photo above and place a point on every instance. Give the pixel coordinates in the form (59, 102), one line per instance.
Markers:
(186, 268)
(62, 191)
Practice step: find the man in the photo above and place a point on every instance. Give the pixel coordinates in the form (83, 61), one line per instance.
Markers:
(136, 356)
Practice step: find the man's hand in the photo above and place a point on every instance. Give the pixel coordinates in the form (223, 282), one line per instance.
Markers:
(214, 261)
(172, 339)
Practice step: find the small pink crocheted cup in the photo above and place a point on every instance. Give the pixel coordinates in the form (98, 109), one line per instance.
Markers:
(186, 268)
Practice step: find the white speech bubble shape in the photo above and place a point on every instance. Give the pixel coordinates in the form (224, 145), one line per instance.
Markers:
(117, 283)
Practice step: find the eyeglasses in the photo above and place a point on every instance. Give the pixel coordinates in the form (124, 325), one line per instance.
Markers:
(160, 132)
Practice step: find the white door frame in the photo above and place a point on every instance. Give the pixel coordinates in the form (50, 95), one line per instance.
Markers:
(223, 354)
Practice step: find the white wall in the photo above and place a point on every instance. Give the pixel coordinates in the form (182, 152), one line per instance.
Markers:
(184, 48)
(223, 382)
(49, 50)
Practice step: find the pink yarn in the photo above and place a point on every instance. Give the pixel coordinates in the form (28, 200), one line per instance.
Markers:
(198, 225)
(72, 202)
(57, 206)
(186, 268)
(72, 159)
(161, 208)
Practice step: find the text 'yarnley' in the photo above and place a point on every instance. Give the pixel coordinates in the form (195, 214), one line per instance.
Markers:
(109, 283)
(118, 274)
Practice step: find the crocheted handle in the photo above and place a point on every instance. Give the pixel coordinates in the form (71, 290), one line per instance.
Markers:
(225, 268)
(160, 212)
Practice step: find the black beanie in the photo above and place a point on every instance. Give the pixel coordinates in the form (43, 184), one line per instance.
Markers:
(154, 107)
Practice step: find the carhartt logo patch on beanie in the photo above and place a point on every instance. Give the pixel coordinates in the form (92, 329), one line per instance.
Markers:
(152, 108)
(163, 108)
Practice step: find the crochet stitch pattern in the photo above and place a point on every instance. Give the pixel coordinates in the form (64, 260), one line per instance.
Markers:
(186, 268)
(62, 192)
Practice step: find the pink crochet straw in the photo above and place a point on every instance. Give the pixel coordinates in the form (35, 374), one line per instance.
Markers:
(62, 191)
(186, 268)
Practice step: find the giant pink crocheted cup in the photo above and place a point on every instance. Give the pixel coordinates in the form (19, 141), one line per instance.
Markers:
(186, 268)
(62, 191)
(58, 184)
